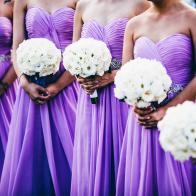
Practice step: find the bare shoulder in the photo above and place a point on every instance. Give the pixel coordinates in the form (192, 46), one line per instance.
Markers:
(72, 3)
(82, 4)
(137, 21)
(190, 16)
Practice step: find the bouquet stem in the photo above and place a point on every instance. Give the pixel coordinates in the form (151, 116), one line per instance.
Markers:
(94, 97)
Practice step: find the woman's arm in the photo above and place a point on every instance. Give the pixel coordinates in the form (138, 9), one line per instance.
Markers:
(18, 29)
(128, 43)
(64, 80)
(189, 93)
(78, 22)
(10, 76)
(7, 80)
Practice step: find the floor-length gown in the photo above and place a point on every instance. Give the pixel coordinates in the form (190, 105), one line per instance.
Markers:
(100, 127)
(145, 169)
(40, 147)
(7, 99)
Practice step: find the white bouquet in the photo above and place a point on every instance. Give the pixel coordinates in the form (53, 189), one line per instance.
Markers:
(38, 58)
(87, 58)
(178, 131)
(142, 82)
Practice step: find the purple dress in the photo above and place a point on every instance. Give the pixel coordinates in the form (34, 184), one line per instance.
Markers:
(40, 147)
(99, 128)
(145, 169)
(8, 99)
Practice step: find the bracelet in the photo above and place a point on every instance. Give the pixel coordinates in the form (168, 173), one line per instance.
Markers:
(115, 65)
(5, 58)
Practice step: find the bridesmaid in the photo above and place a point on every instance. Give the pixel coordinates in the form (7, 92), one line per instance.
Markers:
(7, 75)
(40, 146)
(145, 169)
(100, 128)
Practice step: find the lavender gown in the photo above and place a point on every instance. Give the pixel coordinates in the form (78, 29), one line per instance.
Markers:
(99, 128)
(40, 146)
(145, 169)
(8, 99)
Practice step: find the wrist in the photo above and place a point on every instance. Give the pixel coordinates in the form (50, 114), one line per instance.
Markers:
(163, 110)
(57, 87)
(23, 82)
(165, 107)
(113, 74)
(53, 89)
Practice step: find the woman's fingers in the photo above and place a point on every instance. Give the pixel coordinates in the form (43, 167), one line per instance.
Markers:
(148, 121)
(151, 124)
(86, 87)
(39, 102)
(143, 118)
(40, 99)
(143, 112)
(80, 80)
(84, 80)
(89, 86)
(43, 97)
(38, 94)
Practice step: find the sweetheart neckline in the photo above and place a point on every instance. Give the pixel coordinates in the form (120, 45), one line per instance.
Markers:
(52, 13)
(106, 25)
(163, 39)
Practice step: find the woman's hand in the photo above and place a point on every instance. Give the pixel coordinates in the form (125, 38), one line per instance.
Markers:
(143, 112)
(87, 84)
(90, 85)
(104, 80)
(150, 118)
(53, 90)
(37, 93)
(7, 80)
